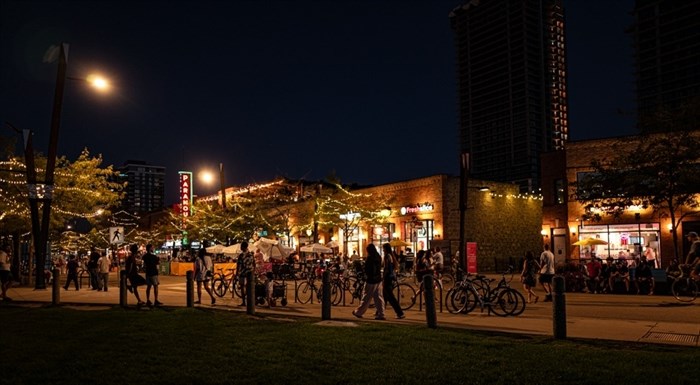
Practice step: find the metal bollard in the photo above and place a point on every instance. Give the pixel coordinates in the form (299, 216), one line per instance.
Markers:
(559, 308)
(326, 299)
(429, 292)
(122, 288)
(56, 288)
(189, 288)
(250, 294)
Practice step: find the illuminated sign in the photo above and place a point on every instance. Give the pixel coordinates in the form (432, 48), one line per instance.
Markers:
(418, 208)
(185, 193)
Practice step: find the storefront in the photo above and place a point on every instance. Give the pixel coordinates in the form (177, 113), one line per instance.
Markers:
(625, 241)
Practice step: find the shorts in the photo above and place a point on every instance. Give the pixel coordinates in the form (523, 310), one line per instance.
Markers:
(546, 278)
(5, 276)
(152, 280)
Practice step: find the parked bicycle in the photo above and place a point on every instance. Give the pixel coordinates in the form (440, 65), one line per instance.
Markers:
(501, 300)
(223, 282)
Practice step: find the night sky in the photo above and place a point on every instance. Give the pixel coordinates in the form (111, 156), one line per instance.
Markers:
(301, 89)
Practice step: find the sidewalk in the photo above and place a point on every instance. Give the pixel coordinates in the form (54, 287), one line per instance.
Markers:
(621, 318)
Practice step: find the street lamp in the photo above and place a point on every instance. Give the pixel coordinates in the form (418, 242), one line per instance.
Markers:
(349, 219)
(208, 178)
(43, 192)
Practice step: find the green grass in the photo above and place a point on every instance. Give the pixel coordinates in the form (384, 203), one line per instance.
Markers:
(192, 346)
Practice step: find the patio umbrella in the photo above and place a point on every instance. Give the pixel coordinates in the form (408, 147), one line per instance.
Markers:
(216, 249)
(316, 248)
(398, 242)
(232, 251)
(272, 248)
(332, 244)
(590, 242)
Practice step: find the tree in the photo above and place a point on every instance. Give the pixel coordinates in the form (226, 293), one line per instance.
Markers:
(662, 172)
(82, 189)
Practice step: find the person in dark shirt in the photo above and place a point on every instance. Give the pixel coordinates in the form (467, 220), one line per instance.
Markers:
(72, 268)
(150, 264)
(373, 286)
(95, 283)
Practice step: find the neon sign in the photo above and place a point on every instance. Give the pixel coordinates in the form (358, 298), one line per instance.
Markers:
(185, 193)
(418, 208)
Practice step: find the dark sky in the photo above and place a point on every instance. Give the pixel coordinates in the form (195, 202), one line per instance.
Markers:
(365, 89)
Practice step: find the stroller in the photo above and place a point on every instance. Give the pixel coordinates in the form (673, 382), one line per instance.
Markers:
(279, 292)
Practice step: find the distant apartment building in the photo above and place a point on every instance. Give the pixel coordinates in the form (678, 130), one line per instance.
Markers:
(145, 186)
(666, 36)
(511, 73)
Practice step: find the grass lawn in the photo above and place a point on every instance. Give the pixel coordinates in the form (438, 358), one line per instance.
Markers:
(194, 346)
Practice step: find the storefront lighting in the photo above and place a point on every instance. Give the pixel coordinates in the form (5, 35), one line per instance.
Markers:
(670, 227)
(395, 235)
(573, 230)
(544, 233)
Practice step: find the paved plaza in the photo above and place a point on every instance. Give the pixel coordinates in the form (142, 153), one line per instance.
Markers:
(638, 318)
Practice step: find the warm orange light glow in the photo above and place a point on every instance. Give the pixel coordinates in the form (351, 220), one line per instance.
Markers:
(206, 177)
(99, 82)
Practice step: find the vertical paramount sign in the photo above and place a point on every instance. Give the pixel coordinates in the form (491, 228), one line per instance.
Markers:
(185, 194)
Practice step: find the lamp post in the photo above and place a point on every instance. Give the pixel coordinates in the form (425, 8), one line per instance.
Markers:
(348, 219)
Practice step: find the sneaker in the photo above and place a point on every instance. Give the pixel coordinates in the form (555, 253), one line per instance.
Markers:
(402, 316)
(197, 302)
(148, 303)
(158, 303)
(140, 303)
(356, 315)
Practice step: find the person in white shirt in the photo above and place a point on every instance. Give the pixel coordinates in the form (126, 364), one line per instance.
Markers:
(547, 272)
(103, 270)
(438, 260)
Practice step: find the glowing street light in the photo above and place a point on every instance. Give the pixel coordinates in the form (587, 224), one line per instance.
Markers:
(98, 82)
(207, 177)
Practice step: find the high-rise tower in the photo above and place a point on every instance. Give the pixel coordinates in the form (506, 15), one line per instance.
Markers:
(145, 186)
(667, 56)
(511, 73)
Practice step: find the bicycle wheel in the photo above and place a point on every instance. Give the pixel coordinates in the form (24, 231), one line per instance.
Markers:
(520, 308)
(447, 280)
(449, 303)
(684, 289)
(304, 292)
(504, 302)
(236, 290)
(219, 287)
(336, 293)
(405, 294)
(464, 300)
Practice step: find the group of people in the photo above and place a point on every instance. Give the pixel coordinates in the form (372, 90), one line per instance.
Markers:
(150, 267)
(544, 267)
(379, 283)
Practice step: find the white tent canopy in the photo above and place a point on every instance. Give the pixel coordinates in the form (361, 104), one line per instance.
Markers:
(272, 249)
(316, 248)
(216, 249)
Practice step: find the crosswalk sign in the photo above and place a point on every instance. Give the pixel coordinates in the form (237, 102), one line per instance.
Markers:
(116, 235)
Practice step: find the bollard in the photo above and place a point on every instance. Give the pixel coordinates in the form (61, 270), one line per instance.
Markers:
(326, 296)
(250, 294)
(429, 291)
(189, 288)
(559, 308)
(122, 288)
(56, 293)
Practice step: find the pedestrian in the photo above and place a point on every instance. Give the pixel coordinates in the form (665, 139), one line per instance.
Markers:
(150, 265)
(529, 276)
(92, 269)
(103, 265)
(135, 279)
(390, 265)
(244, 265)
(203, 272)
(72, 267)
(438, 260)
(5, 271)
(547, 272)
(373, 285)
(423, 268)
(694, 252)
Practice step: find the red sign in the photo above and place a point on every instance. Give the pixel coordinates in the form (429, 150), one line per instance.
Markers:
(471, 257)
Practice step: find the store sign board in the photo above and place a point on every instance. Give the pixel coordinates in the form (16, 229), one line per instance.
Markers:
(185, 193)
(471, 257)
(418, 208)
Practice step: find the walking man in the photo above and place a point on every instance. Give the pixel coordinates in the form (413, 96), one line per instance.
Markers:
(72, 268)
(244, 265)
(150, 264)
(103, 265)
(92, 269)
(547, 272)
